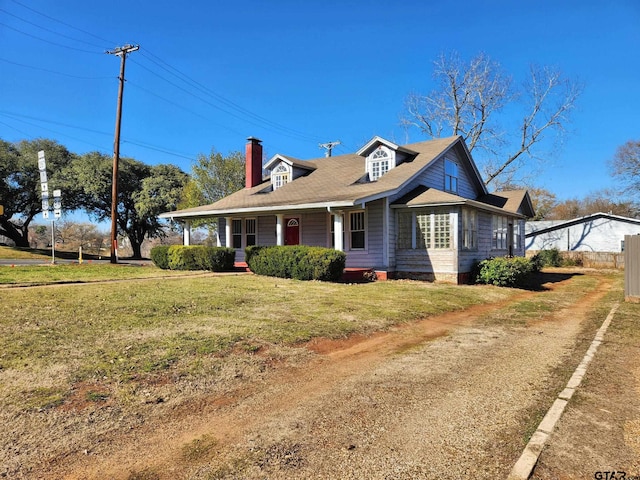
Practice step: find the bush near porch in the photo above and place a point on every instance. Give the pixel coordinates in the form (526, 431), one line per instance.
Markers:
(196, 257)
(299, 262)
(506, 271)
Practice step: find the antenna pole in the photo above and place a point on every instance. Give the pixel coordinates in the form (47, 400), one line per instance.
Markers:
(329, 147)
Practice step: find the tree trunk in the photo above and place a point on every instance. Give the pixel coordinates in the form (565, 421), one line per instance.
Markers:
(137, 249)
(19, 235)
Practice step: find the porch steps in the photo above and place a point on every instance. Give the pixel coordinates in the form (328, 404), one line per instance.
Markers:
(241, 267)
(355, 275)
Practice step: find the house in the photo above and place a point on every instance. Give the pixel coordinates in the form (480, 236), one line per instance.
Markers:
(406, 211)
(599, 232)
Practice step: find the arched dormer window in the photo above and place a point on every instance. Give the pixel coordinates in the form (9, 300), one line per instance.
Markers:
(280, 176)
(380, 161)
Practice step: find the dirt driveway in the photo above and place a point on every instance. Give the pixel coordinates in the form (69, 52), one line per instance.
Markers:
(453, 396)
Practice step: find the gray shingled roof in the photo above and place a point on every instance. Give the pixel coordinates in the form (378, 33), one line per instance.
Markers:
(336, 181)
(339, 181)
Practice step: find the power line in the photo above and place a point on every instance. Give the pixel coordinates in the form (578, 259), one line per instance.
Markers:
(63, 23)
(199, 86)
(125, 140)
(53, 71)
(45, 40)
(49, 30)
(175, 104)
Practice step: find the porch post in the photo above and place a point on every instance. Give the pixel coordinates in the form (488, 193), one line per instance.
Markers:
(279, 229)
(227, 233)
(337, 231)
(186, 233)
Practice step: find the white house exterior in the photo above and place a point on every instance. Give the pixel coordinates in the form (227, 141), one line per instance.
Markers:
(417, 210)
(600, 232)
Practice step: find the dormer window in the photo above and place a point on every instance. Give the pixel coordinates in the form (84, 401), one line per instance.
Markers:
(379, 162)
(280, 176)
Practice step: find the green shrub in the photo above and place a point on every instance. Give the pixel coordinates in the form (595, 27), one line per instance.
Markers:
(251, 251)
(549, 258)
(504, 272)
(160, 256)
(299, 262)
(199, 257)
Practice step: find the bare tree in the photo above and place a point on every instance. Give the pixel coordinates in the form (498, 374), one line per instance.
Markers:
(625, 167)
(470, 99)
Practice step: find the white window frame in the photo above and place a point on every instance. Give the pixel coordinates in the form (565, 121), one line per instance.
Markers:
(352, 230)
(280, 175)
(248, 233)
(517, 235)
(469, 229)
(429, 230)
(405, 238)
(380, 161)
(236, 232)
(451, 176)
(499, 232)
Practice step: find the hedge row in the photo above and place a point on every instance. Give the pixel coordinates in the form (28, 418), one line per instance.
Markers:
(299, 262)
(505, 272)
(196, 257)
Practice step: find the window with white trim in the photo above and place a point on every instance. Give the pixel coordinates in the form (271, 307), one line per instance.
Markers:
(280, 176)
(469, 229)
(250, 231)
(236, 232)
(499, 225)
(405, 230)
(380, 162)
(441, 230)
(517, 237)
(423, 230)
(450, 176)
(357, 230)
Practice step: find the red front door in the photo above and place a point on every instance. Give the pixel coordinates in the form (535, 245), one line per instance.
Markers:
(292, 232)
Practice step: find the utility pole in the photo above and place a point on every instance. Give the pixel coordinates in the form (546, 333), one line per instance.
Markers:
(329, 147)
(122, 53)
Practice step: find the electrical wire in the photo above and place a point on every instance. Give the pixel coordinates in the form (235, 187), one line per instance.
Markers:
(49, 30)
(63, 23)
(185, 78)
(48, 41)
(55, 72)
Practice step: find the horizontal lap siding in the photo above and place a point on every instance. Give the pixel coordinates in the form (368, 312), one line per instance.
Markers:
(426, 261)
(314, 228)
(267, 230)
(371, 257)
(431, 260)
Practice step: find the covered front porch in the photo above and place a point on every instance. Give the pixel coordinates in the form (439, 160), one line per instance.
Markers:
(359, 232)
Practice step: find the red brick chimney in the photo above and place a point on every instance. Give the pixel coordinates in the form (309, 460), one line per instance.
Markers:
(253, 162)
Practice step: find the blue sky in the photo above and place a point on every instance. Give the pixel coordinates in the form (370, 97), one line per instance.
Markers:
(299, 73)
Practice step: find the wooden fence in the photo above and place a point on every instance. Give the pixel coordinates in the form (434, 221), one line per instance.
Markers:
(592, 259)
(632, 270)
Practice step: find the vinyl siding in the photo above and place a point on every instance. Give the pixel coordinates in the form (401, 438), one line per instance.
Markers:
(313, 229)
(433, 177)
(371, 256)
(430, 260)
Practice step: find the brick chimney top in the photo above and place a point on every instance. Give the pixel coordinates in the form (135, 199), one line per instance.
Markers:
(253, 162)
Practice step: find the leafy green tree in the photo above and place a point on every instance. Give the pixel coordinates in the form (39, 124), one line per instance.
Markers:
(20, 191)
(144, 192)
(213, 177)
